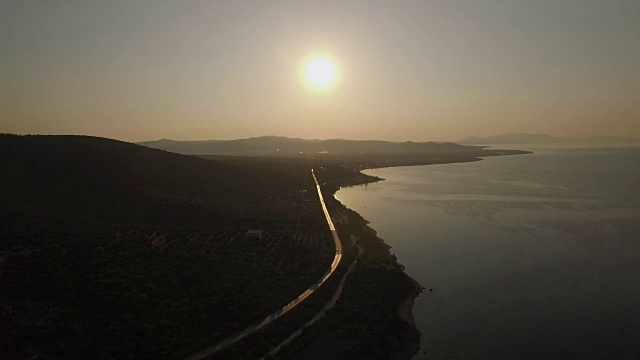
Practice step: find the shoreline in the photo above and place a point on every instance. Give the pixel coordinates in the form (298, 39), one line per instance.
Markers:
(405, 309)
(403, 300)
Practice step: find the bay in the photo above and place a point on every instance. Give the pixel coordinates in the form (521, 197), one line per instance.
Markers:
(530, 257)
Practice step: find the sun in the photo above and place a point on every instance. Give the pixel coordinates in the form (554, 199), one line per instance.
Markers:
(319, 73)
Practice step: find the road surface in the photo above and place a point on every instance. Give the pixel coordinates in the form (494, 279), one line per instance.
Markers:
(295, 302)
(321, 313)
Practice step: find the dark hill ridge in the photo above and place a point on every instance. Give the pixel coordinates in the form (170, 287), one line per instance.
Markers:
(283, 146)
(112, 178)
(113, 250)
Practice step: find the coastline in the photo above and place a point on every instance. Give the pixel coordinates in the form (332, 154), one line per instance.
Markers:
(418, 242)
(394, 335)
(405, 308)
(412, 336)
(405, 311)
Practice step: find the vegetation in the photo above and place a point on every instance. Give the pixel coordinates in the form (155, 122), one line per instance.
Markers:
(364, 323)
(112, 250)
(115, 250)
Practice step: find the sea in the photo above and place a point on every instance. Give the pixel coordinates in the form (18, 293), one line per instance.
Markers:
(531, 256)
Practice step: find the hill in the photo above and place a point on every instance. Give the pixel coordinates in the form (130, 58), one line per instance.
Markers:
(73, 169)
(524, 138)
(114, 250)
(283, 146)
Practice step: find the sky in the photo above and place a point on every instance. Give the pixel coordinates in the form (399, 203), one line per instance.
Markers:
(422, 70)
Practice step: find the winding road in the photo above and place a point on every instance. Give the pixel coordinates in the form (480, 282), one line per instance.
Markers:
(295, 302)
(321, 313)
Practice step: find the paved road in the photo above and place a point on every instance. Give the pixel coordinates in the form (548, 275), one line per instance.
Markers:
(321, 313)
(295, 302)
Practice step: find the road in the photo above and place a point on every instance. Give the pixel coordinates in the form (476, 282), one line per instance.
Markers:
(321, 313)
(295, 302)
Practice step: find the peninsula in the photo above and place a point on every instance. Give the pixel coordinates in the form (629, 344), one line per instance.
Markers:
(120, 250)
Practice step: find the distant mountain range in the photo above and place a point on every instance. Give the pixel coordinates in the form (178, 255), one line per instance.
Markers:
(283, 146)
(524, 138)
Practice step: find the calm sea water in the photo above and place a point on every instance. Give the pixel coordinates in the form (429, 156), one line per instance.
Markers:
(529, 257)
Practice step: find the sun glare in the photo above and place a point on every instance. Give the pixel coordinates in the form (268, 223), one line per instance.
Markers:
(319, 73)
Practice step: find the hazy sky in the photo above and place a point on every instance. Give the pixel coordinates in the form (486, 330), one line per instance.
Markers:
(410, 70)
